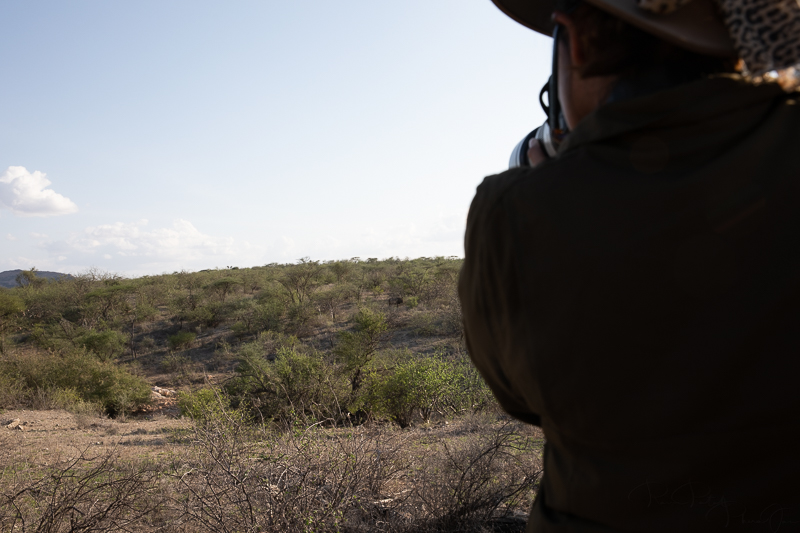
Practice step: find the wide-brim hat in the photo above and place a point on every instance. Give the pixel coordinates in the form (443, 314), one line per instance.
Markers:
(697, 26)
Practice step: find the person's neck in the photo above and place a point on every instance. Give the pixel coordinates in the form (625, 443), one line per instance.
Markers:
(644, 82)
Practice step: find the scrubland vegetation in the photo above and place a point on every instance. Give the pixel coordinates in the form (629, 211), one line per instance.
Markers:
(318, 397)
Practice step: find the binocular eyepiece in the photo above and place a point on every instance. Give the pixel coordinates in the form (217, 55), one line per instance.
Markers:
(550, 134)
(542, 134)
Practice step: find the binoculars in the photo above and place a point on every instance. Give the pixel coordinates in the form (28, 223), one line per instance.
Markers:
(550, 134)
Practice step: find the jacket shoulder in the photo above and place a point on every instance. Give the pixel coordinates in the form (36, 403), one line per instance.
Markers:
(525, 182)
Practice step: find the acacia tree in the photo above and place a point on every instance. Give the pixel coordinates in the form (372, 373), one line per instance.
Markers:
(192, 282)
(141, 311)
(340, 270)
(28, 278)
(109, 302)
(331, 300)
(355, 349)
(413, 280)
(223, 286)
(301, 280)
(252, 280)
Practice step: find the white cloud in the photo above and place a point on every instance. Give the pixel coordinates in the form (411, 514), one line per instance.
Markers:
(135, 248)
(181, 241)
(38, 235)
(26, 194)
(143, 247)
(10, 237)
(438, 235)
(22, 262)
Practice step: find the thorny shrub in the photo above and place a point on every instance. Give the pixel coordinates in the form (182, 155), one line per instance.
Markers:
(83, 493)
(476, 477)
(238, 477)
(233, 476)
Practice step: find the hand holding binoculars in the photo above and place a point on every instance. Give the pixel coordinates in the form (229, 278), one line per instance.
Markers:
(550, 134)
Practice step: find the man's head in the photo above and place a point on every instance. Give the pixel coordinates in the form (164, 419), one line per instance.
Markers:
(615, 48)
(597, 49)
(696, 25)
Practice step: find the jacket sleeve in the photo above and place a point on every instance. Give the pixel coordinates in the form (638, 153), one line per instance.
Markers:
(490, 296)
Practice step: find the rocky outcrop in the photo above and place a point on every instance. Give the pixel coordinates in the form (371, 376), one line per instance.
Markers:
(16, 424)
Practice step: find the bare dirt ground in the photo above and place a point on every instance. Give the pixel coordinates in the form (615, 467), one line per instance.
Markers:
(40, 436)
(43, 436)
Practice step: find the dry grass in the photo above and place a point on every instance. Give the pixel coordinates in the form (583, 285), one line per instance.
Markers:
(82, 493)
(478, 474)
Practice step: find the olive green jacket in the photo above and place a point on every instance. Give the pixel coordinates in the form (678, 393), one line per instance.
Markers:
(638, 297)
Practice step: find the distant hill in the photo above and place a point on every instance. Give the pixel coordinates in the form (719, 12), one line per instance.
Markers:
(8, 278)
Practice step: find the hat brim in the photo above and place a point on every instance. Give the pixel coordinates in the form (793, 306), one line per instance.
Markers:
(696, 26)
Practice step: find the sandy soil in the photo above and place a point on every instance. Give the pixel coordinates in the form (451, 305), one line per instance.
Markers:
(42, 436)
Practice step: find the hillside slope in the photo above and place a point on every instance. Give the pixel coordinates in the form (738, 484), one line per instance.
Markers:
(8, 279)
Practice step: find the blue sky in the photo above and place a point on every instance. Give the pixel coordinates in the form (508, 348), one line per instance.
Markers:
(147, 137)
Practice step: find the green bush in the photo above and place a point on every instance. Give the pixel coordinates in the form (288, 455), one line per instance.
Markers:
(355, 349)
(145, 312)
(11, 307)
(147, 343)
(240, 329)
(424, 324)
(469, 393)
(52, 337)
(411, 301)
(296, 384)
(12, 390)
(200, 315)
(182, 339)
(210, 314)
(270, 309)
(53, 300)
(244, 317)
(109, 303)
(413, 387)
(105, 384)
(223, 286)
(106, 345)
(176, 363)
(203, 404)
(299, 317)
(72, 400)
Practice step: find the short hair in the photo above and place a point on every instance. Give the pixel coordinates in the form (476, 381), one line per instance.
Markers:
(614, 47)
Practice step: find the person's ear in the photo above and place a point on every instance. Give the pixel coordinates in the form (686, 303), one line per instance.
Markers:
(577, 54)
